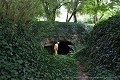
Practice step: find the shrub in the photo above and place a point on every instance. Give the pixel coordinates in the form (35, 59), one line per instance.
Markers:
(102, 51)
(22, 57)
(21, 54)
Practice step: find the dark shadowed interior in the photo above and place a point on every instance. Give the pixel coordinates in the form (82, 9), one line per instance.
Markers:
(63, 47)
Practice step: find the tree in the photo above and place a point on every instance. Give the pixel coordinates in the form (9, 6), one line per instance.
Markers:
(115, 7)
(95, 7)
(19, 11)
(51, 8)
(99, 8)
(73, 7)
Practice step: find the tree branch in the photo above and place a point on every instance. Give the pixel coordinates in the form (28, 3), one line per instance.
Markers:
(101, 16)
(57, 7)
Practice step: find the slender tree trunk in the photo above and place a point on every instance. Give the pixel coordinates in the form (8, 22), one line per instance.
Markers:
(75, 18)
(95, 18)
(101, 16)
(53, 15)
(70, 17)
(50, 17)
(75, 10)
(76, 2)
(67, 17)
(50, 14)
(5, 7)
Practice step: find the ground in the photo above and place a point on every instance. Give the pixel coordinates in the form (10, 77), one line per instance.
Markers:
(81, 74)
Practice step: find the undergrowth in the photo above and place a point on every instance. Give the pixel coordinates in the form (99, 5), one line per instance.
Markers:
(23, 58)
(101, 55)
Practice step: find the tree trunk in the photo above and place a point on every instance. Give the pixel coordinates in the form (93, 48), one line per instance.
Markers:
(75, 18)
(5, 7)
(50, 13)
(95, 19)
(101, 16)
(70, 17)
(67, 17)
(51, 17)
(76, 2)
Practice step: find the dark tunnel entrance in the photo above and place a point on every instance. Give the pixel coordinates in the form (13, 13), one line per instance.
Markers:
(63, 47)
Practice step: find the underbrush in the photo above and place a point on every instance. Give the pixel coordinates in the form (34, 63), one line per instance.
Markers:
(101, 55)
(23, 58)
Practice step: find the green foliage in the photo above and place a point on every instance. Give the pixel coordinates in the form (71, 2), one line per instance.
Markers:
(91, 7)
(51, 8)
(100, 22)
(102, 51)
(19, 11)
(65, 29)
(22, 57)
(76, 52)
(100, 9)
(76, 48)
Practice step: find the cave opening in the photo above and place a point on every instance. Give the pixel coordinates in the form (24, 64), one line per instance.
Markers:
(63, 47)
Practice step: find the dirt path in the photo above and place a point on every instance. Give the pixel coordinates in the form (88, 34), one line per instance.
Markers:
(81, 74)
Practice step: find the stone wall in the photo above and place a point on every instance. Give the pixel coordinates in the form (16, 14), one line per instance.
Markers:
(69, 32)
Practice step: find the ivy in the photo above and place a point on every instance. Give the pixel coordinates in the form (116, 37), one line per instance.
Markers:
(102, 51)
(23, 58)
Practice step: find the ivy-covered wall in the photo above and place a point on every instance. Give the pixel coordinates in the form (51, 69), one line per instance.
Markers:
(73, 32)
